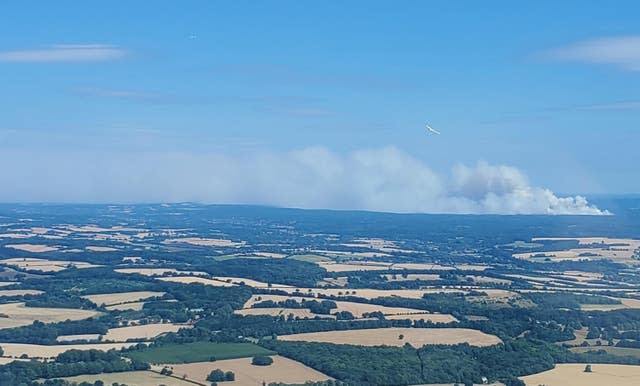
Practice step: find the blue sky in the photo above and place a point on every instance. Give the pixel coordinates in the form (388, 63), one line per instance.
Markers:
(550, 88)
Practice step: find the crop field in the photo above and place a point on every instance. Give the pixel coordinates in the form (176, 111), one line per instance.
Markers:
(573, 375)
(122, 297)
(122, 334)
(20, 315)
(44, 265)
(357, 309)
(33, 248)
(282, 370)
(277, 311)
(132, 378)
(417, 337)
(51, 351)
(205, 242)
(196, 279)
(93, 248)
(4, 293)
(158, 271)
(197, 352)
(625, 303)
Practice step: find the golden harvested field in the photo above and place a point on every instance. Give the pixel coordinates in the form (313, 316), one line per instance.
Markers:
(159, 271)
(19, 292)
(195, 279)
(20, 315)
(282, 370)
(34, 248)
(134, 306)
(50, 351)
(146, 331)
(100, 249)
(573, 375)
(487, 279)
(122, 334)
(132, 378)
(202, 242)
(417, 337)
(44, 265)
(357, 309)
(626, 303)
(122, 297)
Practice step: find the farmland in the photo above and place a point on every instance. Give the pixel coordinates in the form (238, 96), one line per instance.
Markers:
(282, 370)
(574, 375)
(197, 352)
(417, 337)
(426, 306)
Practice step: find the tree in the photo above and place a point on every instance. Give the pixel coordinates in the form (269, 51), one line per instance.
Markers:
(229, 376)
(401, 336)
(216, 375)
(587, 369)
(261, 360)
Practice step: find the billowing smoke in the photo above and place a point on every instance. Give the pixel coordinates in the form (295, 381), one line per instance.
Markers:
(384, 179)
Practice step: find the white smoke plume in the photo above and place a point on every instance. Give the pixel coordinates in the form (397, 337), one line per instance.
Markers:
(384, 179)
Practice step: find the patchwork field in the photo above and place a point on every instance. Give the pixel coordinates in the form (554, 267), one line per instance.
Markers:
(368, 293)
(137, 378)
(357, 309)
(573, 375)
(282, 370)
(51, 351)
(122, 297)
(44, 265)
(417, 337)
(20, 315)
(616, 249)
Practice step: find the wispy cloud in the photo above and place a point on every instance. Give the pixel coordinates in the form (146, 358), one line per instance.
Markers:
(65, 53)
(620, 51)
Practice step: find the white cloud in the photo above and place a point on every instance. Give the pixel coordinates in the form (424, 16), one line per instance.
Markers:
(384, 179)
(65, 53)
(620, 51)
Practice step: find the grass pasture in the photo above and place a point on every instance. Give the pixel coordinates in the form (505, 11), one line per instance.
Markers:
(197, 352)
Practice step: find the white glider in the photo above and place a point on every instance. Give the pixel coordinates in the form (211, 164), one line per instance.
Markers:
(432, 130)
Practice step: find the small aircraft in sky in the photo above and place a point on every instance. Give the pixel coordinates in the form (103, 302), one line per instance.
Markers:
(432, 130)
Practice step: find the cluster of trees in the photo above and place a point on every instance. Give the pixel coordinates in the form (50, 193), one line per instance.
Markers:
(433, 364)
(261, 360)
(41, 333)
(70, 363)
(218, 375)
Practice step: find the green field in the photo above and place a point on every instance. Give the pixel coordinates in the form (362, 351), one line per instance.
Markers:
(197, 352)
